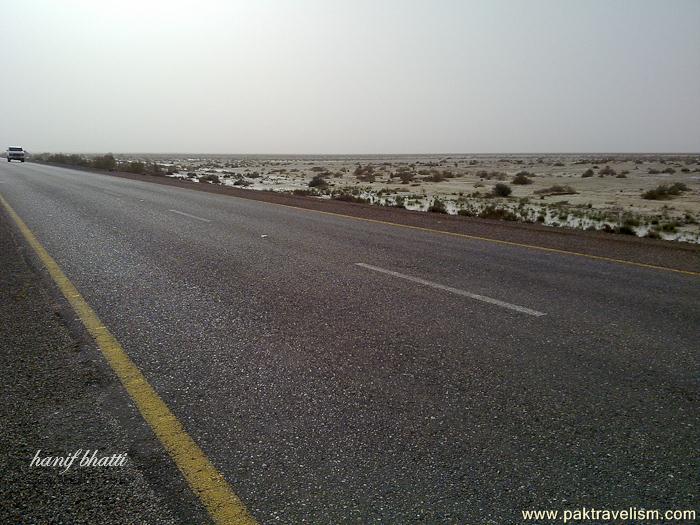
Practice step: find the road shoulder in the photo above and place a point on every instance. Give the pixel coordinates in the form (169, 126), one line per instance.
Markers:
(58, 398)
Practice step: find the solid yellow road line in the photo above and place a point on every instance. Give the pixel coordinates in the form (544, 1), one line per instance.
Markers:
(489, 239)
(205, 480)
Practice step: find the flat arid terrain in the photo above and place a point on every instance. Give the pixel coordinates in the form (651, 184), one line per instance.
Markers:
(334, 362)
(309, 262)
(650, 195)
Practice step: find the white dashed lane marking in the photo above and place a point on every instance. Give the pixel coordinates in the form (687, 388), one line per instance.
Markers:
(455, 291)
(190, 216)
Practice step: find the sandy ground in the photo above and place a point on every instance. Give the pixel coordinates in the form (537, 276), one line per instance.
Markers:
(607, 189)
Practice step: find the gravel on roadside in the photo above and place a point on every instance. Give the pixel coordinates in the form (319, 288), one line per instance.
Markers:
(54, 392)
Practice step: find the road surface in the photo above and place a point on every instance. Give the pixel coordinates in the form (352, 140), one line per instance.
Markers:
(337, 370)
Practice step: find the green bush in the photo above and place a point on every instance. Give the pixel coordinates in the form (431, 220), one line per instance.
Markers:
(349, 197)
(502, 190)
(312, 193)
(154, 169)
(625, 230)
(365, 174)
(318, 182)
(435, 176)
(104, 162)
(69, 160)
(133, 167)
(210, 177)
(522, 178)
(501, 214)
(437, 206)
(665, 191)
(557, 189)
(406, 176)
(669, 227)
(488, 175)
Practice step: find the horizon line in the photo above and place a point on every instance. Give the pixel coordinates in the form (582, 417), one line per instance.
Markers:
(424, 154)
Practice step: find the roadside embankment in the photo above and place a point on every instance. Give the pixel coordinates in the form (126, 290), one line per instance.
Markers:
(55, 397)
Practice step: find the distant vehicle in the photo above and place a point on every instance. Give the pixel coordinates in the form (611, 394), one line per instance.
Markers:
(15, 153)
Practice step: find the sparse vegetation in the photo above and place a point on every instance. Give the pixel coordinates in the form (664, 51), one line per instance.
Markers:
(557, 189)
(136, 166)
(669, 227)
(665, 191)
(365, 174)
(210, 177)
(604, 205)
(309, 193)
(489, 175)
(494, 212)
(522, 177)
(437, 206)
(438, 176)
(502, 190)
(104, 162)
(406, 176)
(318, 182)
(349, 197)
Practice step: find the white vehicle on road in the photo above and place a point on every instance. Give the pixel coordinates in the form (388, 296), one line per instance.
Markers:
(15, 153)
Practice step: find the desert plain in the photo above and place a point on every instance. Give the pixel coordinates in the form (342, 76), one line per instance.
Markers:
(647, 195)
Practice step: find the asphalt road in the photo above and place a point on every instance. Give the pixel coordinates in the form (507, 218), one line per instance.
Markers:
(54, 390)
(444, 380)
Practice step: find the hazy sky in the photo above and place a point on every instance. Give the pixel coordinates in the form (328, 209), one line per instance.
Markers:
(355, 76)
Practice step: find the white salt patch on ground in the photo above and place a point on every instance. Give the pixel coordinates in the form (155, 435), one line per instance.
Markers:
(600, 201)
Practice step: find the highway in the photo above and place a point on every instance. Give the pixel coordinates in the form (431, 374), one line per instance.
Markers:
(342, 371)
